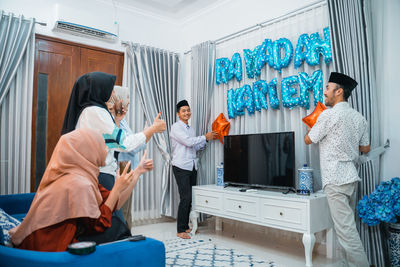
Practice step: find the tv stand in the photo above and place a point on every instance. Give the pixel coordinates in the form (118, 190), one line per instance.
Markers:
(291, 212)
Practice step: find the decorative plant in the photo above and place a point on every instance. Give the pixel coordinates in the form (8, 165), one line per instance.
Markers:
(382, 205)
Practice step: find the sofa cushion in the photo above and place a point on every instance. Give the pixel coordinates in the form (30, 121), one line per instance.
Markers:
(20, 217)
(7, 222)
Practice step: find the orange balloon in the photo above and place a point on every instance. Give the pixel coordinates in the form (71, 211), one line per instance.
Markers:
(311, 119)
(221, 126)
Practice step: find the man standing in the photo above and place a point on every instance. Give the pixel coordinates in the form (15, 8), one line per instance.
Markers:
(341, 133)
(184, 163)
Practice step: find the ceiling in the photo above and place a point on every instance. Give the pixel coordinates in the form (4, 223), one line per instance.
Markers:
(177, 10)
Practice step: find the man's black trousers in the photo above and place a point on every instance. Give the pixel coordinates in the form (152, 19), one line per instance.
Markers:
(185, 180)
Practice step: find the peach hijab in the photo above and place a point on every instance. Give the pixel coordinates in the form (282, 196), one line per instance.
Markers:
(69, 187)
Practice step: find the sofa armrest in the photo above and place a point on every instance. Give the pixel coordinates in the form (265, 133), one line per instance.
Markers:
(149, 253)
(17, 203)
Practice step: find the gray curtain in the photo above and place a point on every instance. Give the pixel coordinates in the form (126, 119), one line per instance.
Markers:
(352, 52)
(154, 76)
(16, 82)
(203, 74)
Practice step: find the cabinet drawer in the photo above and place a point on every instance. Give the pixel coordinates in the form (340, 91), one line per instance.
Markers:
(207, 201)
(285, 214)
(243, 207)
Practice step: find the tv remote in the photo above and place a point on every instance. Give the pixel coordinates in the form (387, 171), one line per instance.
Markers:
(137, 238)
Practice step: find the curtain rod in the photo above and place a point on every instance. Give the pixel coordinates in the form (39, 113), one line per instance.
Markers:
(268, 22)
(36, 22)
(127, 43)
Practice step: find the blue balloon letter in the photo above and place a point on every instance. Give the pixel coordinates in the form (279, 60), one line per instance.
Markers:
(259, 92)
(313, 83)
(288, 91)
(221, 70)
(235, 68)
(318, 46)
(248, 98)
(301, 51)
(273, 94)
(250, 58)
(280, 62)
(265, 55)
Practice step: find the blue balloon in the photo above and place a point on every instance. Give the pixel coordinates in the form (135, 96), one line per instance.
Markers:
(221, 70)
(231, 103)
(318, 46)
(265, 55)
(288, 101)
(280, 62)
(250, 58)
(313, 83)
(259, 93)
(248, 98)
(273, 94)
(302, 49)
(240, 101)
(235, 67)
(260, 90)
(236, 102)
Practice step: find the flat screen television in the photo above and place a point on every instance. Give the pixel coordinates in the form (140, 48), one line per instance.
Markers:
(260, 160)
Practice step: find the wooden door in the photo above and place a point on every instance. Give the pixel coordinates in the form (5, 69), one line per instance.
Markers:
(94, 60)
(58, 64)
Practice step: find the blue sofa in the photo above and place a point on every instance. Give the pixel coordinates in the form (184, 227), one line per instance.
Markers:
(149, 252)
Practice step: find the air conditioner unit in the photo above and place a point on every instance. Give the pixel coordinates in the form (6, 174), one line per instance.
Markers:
(82, 30)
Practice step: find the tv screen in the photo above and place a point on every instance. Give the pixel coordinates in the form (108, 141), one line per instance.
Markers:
(266, 160)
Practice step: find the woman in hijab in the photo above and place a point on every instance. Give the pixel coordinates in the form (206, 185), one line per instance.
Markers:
(70, 204)
(87, 109)
(120, 98)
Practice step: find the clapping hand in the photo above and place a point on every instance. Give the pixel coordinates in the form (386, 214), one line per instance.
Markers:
(123, 181)
(145, 165)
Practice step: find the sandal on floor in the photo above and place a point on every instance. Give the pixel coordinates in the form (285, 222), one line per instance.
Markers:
(183, 235)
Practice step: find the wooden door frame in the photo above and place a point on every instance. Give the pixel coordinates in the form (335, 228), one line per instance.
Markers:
(35, 81)
(58, 40)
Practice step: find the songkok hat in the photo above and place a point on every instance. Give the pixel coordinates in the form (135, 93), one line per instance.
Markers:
(344, 80)
(180, 104)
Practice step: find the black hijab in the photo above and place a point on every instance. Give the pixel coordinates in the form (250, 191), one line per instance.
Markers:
(91, 89)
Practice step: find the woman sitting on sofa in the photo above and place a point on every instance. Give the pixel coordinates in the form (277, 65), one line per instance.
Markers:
(70, 205)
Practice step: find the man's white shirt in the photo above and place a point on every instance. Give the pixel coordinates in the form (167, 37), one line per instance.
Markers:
(184, 145)
(339, 131)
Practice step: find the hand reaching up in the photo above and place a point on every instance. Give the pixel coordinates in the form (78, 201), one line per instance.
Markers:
(159, 125)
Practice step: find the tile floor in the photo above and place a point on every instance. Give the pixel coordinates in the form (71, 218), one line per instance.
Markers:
(247, 238)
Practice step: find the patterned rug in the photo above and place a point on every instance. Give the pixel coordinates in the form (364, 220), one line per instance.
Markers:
(204, 252)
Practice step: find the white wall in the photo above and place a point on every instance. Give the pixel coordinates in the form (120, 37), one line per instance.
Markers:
(386, 39)
(133, 24)
(234, 15)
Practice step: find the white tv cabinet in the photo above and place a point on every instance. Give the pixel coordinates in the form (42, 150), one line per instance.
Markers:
(291, 212)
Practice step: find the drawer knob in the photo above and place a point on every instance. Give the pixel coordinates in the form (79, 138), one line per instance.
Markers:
(281, 213)
(240, 207)
(206, 201)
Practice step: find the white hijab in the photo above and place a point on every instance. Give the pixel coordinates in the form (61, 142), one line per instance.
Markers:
(120, 93)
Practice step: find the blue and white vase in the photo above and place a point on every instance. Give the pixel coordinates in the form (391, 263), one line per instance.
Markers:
(306, 178)
(394, 244)
(220, 174)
